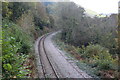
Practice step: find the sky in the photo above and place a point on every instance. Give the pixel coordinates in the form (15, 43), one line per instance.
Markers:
(99, 6)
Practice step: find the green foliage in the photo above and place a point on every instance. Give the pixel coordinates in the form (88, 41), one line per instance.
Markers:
(6, 12)
(30, 21)
(14, 10)
(18, 9)
(93, 58)
(0, 40)
(98, 56)
(7, 66)
(80, 29)
(71, 49)
(91, 50)
(13, 56)
(104, 61)
(40, 23)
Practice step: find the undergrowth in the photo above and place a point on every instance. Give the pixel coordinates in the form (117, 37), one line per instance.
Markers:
(16, 46)
(94, 59)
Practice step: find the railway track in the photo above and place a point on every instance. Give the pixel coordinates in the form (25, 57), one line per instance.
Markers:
(48, 69)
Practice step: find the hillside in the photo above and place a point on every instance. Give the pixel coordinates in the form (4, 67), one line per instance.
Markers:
(90, 39)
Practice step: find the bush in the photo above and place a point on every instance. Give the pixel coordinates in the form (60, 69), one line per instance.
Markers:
(12, 58)
(93, 59)
(17, 36)
(105, 61)
(98, 56)
(91, 50)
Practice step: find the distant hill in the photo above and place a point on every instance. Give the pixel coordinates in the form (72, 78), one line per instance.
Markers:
(90, 12)
(93, 13)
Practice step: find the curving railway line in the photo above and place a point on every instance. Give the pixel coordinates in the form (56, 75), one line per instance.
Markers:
(51, 63)
(47, 66)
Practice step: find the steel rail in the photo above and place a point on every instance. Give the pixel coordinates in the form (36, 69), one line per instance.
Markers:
(41, 41)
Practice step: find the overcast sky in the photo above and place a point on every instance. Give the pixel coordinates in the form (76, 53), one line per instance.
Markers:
(99, 6)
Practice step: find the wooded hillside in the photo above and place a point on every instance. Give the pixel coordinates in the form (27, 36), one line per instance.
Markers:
(92, 40)
(22, 24)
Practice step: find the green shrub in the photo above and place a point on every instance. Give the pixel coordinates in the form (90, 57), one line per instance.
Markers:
(12, 58)
(81, 51)
(15, 34)
(94, 58)
(91, 50)
(105, 61)
(98, 56)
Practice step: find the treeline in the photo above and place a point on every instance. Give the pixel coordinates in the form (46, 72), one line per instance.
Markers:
(95, 40)
(22, 24)
(79, 29)
(20, 11)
